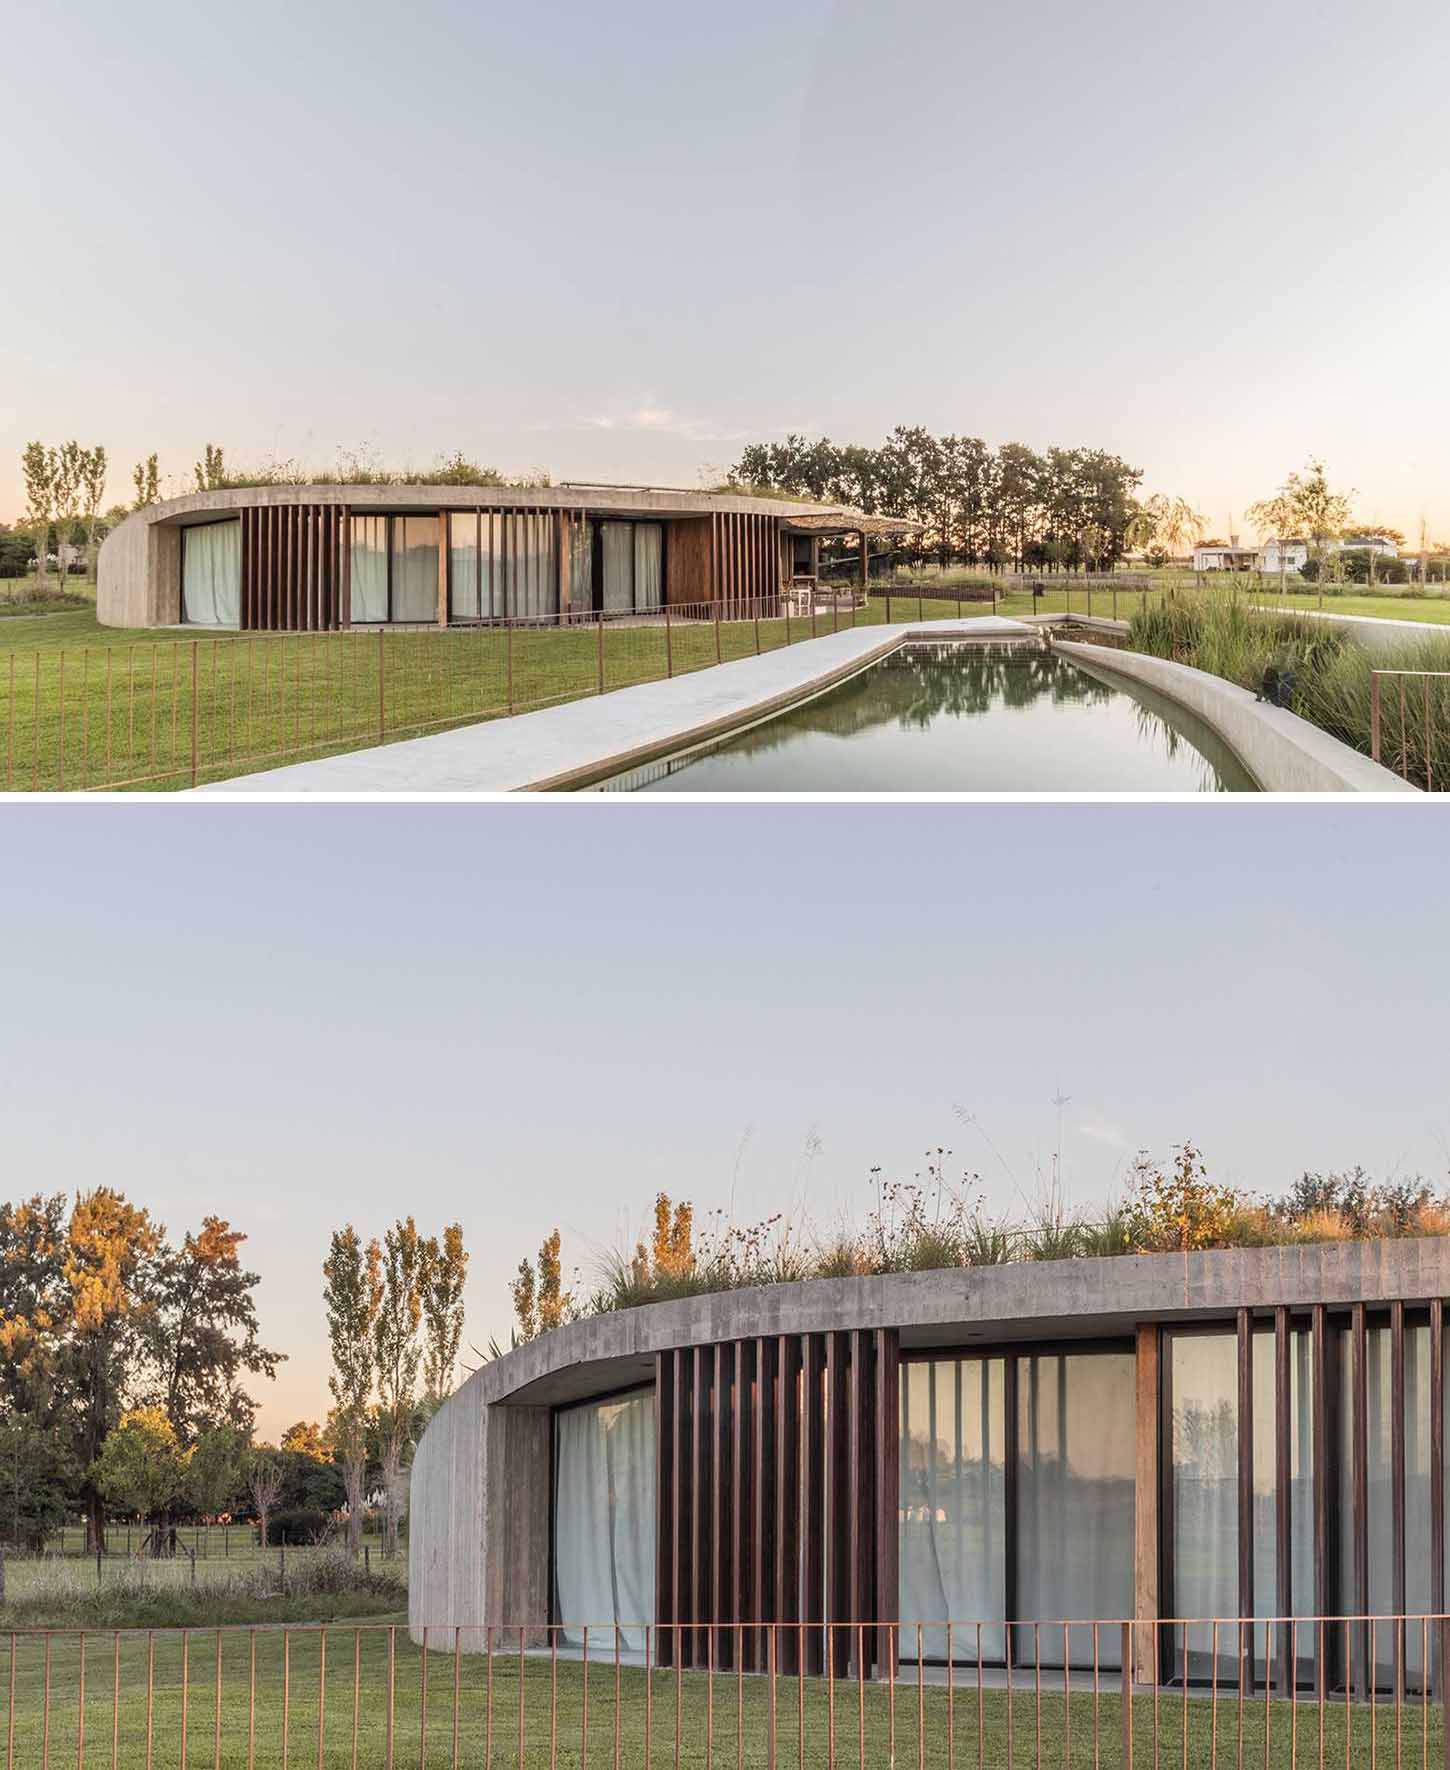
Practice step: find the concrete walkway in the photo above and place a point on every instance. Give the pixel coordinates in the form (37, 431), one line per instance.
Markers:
(558, 746)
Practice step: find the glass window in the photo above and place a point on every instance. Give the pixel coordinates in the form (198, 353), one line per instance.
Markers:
(1417, 1495)
(581, 564)
(604, 1519)
(211, 575)
(1204, 1437)
(415, 569)
(1380, 1522)
(528, 567)
(1076, 1475)
(648, 564)
(464, 579)
(369, 570)
(953, 1557)
(618, 565)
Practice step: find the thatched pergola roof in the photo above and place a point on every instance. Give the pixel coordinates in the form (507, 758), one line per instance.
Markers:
(848, 522)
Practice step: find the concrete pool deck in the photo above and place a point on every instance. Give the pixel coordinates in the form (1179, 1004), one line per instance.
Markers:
(586, 739)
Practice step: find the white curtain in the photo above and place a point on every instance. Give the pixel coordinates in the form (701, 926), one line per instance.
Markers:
(1075, 1501)
(1205, 1441)
(952, 1545)
(415, 569)
(463, 566)
(604, 1520)
(581, 565)
(648, 558)
(211, 575)
(618, 565)
(369, 570)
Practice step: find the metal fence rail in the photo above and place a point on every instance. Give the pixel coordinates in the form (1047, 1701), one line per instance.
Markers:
(1230, 1691)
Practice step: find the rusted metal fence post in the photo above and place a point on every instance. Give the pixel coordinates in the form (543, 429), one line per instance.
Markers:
(1127, 1696)
(601, 651)
(1374, 730)
(669, 646)
(195, 690)
(382, 688)
(717, 626)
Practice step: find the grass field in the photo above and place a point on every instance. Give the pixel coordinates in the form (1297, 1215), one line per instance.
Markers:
(266, 1698)
(82, 706)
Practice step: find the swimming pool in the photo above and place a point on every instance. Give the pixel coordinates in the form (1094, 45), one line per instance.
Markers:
(958, 717)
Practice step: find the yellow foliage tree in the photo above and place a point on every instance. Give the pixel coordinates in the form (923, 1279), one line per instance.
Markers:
(1180, 1210)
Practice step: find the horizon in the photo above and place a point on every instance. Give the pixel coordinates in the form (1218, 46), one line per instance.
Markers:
(1115, 240)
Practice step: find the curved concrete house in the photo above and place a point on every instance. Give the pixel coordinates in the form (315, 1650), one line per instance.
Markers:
(1238, 1433)
(315, 558)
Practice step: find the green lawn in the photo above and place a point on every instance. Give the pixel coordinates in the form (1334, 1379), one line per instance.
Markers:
(85, 707)
(265, 1698)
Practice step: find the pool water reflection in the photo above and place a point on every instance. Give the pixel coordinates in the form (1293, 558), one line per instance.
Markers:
(962, 718)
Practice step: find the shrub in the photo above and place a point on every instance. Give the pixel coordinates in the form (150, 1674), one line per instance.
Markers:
(1181, 1210)
(297, 1527)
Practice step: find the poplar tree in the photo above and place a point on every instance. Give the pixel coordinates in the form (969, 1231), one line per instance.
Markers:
(352, 1296)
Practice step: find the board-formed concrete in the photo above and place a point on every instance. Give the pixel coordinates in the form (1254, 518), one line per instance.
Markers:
(1284, 753)
(479, 1516)
(585, 739)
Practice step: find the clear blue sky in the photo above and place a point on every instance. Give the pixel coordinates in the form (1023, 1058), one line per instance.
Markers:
(534, 1015)
(616, 241)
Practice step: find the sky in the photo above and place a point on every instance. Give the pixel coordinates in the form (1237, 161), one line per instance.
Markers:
(534, 1016)
(617, 242)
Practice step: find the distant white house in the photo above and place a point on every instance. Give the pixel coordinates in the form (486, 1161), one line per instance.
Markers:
(1216, 556)
(1291, 556)
(1282, 556)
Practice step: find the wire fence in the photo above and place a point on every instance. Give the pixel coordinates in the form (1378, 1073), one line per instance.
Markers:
(1409, 723)
(1218, 1691)
(165, 714)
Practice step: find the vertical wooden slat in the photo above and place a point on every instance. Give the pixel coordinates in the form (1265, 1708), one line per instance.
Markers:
(664, 1494)
(1283, 1498)
(813, 1494)
(887, 1607)
(679, 1545)
(1145, 1506)
(740, 1514)
(722, 1436)
(1437, 1480)
(1011, 1458)
(700, 1498)
(1397, 1483)
(838, 1495)
(344, 523)
(1245, 1349)
(861, 1452)
(763, 1496)
(787, 1495)
(1359, 1488)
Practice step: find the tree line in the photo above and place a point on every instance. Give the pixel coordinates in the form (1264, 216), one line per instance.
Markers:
(125, 1357)
(1005, 507)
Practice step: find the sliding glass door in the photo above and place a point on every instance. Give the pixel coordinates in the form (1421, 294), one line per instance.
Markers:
(394, 570)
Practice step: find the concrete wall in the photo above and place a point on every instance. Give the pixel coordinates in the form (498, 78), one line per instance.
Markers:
(479, 1517)
(1284, 753)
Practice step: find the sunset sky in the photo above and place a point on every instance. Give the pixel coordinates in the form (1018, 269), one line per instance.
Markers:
(541, 1015)
(618, 242)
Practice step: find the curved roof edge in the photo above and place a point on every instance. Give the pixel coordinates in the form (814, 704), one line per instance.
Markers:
(428, 496)
(1029, 1300)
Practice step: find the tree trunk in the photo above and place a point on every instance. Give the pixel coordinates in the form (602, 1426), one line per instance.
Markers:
(353, 1473)
(95, 1524)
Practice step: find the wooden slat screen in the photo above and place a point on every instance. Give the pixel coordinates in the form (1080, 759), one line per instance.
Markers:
(296, 561)
(776, 1458)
